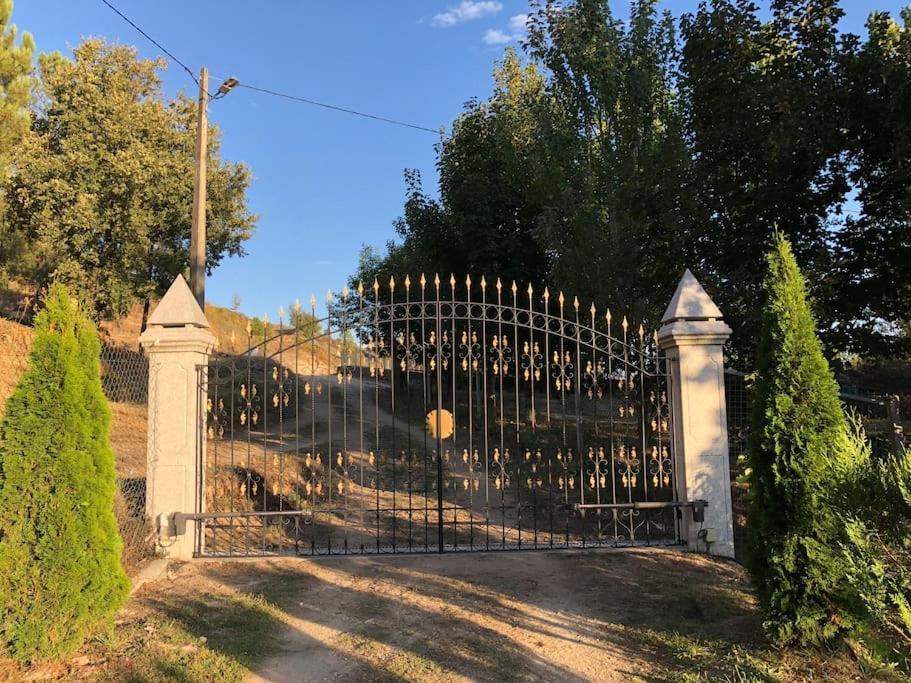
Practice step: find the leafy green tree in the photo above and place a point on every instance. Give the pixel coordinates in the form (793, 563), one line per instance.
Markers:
(489, 204)
(60, 571)
(615, 159)
(574, 173)
(15, 83)
(875, 301)
(800, 454)
(102, 190)
(763, 109)
(16, 86)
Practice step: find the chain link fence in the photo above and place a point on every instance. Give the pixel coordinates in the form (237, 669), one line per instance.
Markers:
(125, 379)
(879, 414)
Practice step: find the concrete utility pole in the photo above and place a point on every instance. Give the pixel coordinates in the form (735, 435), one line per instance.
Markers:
(198, 234)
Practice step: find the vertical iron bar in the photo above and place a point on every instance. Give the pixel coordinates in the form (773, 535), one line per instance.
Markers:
(455, 412)
(314, 463)
(408, 408)
(392, 378)
(343, 376)
(484, 370)
(297, 436)
(611, 407)
(439, 414)
(379, 363)
(265, 404)
(330, 459)
(424, 410)
(471, 445)
(516, 379)
(577, 394)
(501, 417)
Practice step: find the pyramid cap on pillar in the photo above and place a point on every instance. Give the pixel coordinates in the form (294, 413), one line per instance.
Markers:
(178, 308)
(690, 302)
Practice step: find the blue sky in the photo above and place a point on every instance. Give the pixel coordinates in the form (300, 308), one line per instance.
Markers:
(325, 183)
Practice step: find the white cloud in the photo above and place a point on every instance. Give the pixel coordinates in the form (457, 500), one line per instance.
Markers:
(495, 36)
(517, 24)
(515, 31)
(467, 10)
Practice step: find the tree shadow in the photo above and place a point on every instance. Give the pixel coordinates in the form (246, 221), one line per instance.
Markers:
(503, 615)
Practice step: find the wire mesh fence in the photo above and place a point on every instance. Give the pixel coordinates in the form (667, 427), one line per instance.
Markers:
(125, 379)
(880, 416)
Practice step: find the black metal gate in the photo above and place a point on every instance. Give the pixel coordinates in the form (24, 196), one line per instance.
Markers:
(437, 416)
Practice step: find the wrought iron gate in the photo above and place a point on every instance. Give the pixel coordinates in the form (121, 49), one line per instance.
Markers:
(435, 416)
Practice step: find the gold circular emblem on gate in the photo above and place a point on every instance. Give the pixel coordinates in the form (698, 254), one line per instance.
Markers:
(444, 420)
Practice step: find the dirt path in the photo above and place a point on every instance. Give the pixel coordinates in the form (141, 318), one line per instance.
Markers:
(568, 616)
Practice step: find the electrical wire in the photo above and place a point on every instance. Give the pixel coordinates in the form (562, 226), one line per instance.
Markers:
(152, 40)
(266, 91)
(333, 107)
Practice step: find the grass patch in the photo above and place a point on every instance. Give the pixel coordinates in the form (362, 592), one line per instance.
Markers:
(156, 649)
(691, 659)
(217, 637)
(239, 626)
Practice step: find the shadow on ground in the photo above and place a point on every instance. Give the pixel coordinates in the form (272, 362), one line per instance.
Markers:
(571, 616)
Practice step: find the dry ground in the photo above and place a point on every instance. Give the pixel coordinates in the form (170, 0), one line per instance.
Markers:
(631, 615)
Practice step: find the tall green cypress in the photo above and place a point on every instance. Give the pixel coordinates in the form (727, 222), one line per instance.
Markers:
(60, 571)
(799, 454)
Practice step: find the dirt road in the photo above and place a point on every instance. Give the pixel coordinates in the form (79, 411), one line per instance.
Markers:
(568, 616)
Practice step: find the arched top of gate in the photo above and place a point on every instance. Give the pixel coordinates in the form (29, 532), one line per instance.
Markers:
(479, 308)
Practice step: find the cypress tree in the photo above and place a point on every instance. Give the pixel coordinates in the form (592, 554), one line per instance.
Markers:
(800, 453)
(60, 571)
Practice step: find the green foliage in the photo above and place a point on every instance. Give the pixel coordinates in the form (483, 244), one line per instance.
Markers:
(260, 328)
(615, 164)
(15, 83)
(618, 153)
(102, 190)
(489, 198)
(764, 106)
(60, 572)
(877, 505)
(800, 454)
(875, 279)
(573, 173)
(304, 322)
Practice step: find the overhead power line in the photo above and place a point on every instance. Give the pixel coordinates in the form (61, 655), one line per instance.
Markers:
(333, 107)
(267, 91)
(152, 40)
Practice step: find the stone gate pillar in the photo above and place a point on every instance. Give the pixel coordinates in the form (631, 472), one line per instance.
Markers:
(178, 342)
(693, 335)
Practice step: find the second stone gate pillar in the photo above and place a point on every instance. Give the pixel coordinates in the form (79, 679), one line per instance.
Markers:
(693, 334)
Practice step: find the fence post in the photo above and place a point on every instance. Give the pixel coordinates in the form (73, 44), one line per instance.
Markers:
(693, 335)
(178, 342)
(893, 406)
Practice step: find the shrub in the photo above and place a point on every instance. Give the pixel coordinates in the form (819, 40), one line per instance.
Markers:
(878, 520)
(800, 454)
(60, 571)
